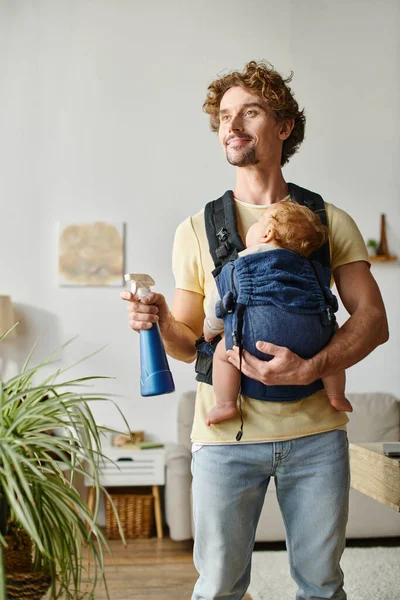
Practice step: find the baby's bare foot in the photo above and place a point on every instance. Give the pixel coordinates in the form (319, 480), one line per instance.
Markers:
(340, 403)
(221, 413)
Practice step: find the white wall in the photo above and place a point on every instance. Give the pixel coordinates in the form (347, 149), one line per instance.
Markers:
(100, 118)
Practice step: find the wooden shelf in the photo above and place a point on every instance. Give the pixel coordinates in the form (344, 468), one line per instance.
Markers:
(375, 258)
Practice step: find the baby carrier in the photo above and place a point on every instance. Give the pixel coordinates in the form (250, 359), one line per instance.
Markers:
(262, 286)
(281, 297)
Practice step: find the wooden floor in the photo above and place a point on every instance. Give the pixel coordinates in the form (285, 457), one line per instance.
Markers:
(150, 569)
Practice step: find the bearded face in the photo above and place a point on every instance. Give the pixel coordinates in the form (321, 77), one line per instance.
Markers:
(240, 150)
(249, 131)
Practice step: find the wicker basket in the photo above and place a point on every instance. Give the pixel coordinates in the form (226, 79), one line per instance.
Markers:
(135, 513)
(22, 583)
(18, 553)
(27, 586)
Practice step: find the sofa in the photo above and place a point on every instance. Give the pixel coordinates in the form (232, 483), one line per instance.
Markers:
(376, 418)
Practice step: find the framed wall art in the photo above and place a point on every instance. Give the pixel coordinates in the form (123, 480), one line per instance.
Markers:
(91, 253)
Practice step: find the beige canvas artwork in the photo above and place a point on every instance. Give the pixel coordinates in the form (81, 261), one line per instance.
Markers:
(91, 254)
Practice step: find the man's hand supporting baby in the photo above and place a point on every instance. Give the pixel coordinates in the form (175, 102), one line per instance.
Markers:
(285, 368)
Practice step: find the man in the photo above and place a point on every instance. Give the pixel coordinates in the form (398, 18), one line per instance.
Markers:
(302, 444)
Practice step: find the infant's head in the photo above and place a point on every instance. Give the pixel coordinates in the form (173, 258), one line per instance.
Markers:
(288, 225)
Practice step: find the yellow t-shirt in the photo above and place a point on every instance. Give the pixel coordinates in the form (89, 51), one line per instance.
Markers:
(263, 421)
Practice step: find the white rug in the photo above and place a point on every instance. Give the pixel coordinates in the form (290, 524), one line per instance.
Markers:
(369, 574)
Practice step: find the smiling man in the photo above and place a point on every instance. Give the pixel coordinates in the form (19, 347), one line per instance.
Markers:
(242, 122)
(303, 445)
(240, 147)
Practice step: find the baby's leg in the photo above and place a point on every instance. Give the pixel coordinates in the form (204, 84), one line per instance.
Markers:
(226, 382)
(334, 386)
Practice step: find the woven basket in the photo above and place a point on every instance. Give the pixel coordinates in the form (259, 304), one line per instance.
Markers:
(18, 553)
(22, 584)
(135, 513)
(27, 586)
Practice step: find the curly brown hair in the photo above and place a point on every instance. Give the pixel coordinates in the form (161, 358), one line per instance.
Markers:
(297, 228)
(262, 79)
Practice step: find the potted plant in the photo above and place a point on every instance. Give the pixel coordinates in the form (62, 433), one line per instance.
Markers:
(48, 436)
(372, 246)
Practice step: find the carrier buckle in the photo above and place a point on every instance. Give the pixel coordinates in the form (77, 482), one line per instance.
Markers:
(222, 234)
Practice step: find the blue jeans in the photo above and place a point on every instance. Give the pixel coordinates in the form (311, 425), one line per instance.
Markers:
(229, 486)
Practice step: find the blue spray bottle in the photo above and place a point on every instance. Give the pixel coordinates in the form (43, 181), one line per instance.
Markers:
(155, 375)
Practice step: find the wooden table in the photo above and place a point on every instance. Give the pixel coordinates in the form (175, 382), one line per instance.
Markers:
(375, 474)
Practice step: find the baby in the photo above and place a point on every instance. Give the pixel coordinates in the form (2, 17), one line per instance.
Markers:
(289, 226)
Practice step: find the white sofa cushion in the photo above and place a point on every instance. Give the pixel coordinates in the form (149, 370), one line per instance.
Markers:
(376, 418)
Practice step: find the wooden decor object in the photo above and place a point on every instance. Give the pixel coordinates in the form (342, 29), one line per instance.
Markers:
(382, 254)
(383, 246)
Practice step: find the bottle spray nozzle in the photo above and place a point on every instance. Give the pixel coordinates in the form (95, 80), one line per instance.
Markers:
(140, 283)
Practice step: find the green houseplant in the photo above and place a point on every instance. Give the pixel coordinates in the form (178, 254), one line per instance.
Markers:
(49, 437)
(372, 246)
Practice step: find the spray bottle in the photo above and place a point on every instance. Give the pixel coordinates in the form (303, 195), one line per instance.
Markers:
(155, 375)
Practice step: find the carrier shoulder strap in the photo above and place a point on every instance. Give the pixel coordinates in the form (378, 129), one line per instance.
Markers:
(314, 202)
(222, 231)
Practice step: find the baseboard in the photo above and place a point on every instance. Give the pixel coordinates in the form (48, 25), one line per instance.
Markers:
(350, 543)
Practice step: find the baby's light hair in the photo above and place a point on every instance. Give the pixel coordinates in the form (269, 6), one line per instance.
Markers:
(297, 228)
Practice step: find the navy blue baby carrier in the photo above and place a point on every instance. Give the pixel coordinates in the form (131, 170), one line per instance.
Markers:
(277, 296)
